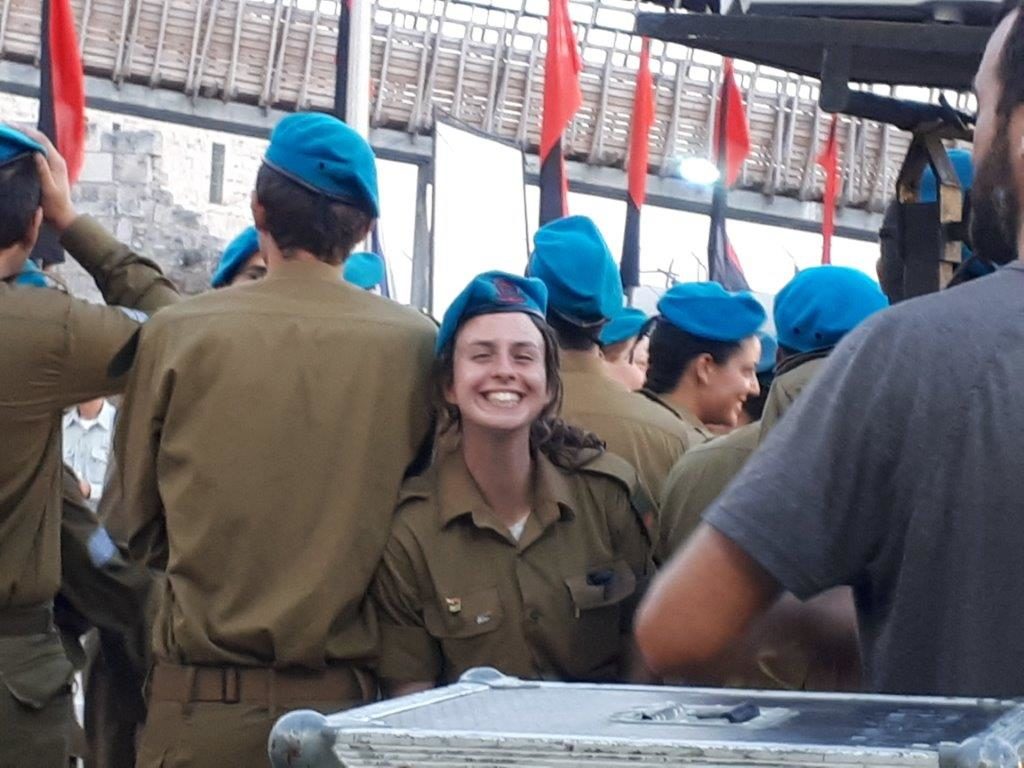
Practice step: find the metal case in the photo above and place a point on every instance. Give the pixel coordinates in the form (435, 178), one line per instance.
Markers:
(488, 719)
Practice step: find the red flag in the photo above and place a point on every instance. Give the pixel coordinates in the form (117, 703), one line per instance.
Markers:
(643, 119)
(562, 97)
(639, 156)
(736, 131)
(829, 160)
(62, 92)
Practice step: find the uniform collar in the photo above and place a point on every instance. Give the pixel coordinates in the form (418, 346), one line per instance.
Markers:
(306, 270)
(572, 361)
(105, 418)
(795, 361)
(459, 495)
(680, 412)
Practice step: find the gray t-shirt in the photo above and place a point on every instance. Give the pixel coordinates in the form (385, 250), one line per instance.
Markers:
(898, 472)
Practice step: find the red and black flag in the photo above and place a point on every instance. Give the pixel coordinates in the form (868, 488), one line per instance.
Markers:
(732, 145)
(61, 101)
(562, 97)
(829, 160)
(639, 153)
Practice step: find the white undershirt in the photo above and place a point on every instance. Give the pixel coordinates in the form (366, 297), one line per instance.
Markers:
(516, 529)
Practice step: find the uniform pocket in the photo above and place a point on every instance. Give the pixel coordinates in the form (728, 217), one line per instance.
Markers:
(601, 587)
(602, 612)
(35, 669)
(461, 616)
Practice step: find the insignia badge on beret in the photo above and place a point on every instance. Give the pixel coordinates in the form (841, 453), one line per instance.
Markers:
(508, 292)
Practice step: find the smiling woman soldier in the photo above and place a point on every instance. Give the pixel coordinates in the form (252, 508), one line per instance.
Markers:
(522, 547)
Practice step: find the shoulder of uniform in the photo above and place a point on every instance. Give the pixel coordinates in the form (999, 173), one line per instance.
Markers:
(610, 465)
(414, 489)
(613, 466)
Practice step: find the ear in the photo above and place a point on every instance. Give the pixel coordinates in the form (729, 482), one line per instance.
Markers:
(32, 233)
(259, 213)
(704, 368)
(449, 394)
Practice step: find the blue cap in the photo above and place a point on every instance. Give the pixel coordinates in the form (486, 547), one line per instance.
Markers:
(822, 304)
(239, 251)
(14, 144)
(769, 351)
(323, 154)
(364, 269)
(711, 312)
(573, 260)
(624, 326)
(493, 292)
(962, 164)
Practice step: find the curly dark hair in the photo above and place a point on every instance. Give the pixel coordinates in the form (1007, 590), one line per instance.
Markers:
(567, 446)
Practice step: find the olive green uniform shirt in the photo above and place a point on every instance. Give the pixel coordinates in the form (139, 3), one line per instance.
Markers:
(55, 351)
(262, 442)
(703, 473)
(456, 590)
(648, 436)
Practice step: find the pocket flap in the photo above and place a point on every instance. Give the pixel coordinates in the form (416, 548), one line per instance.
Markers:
(602, 586)
(469, 615)
(34, 669)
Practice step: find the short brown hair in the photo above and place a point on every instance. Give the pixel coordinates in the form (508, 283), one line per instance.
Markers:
(299, 219)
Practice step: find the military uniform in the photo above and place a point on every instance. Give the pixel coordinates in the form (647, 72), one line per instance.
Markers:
(457, 590)
(649, 437)
(56, 350)
(700, 476)
(101, 590)
(268, 541)
(812, 313)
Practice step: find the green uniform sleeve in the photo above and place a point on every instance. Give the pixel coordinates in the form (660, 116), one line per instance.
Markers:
(138, 521)
(123, 277)
(94, 334)
(690, 488)
(408, 653)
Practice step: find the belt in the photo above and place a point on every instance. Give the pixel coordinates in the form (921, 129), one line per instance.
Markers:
(263, 685)
(26, 620)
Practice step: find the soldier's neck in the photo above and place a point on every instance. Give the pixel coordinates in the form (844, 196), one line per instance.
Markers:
(12, 260)
(684, 399)
(502, 467)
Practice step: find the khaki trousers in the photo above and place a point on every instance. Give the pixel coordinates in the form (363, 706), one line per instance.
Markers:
(205, 720)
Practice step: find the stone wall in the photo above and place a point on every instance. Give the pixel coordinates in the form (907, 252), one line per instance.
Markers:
(150, 185)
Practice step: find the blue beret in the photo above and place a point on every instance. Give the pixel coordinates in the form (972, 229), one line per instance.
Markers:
(324, 155)
(709, 311)
(625, 325)
(574, 262)
(822, 304)
(962, 164)
(769, 351)
(493, 292)
(364, 269)
(14, 144)
(31, 275)
(239, 251)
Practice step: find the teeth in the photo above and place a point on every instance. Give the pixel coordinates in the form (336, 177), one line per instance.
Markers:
(504, 398)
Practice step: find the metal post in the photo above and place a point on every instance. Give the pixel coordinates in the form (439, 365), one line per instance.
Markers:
(422, 256)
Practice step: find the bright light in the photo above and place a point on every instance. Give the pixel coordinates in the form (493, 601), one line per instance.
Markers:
(698, 170)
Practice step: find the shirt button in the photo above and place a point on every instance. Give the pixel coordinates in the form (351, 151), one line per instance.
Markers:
(534, 615)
